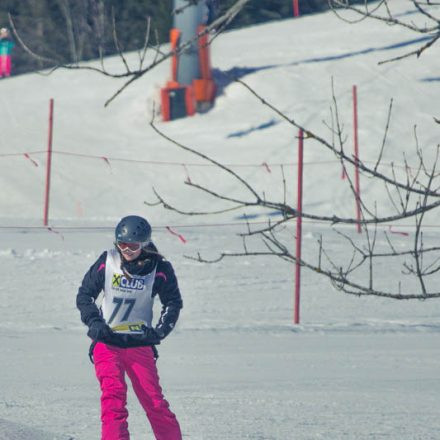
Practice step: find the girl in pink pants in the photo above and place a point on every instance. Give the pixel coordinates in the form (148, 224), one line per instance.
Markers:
(111, 364)
(5, 65)
(6, 46)
(130, 276)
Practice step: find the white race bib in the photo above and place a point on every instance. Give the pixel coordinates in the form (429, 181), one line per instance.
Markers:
(127, 303)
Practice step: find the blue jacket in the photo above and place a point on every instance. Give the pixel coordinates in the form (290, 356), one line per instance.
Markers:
(6, 46)
(165, 286)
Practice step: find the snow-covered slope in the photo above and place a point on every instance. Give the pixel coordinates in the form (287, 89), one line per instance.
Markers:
(235, 367)
(291, 63)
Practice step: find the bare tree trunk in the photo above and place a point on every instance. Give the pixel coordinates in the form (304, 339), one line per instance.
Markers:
(97, 16)
(67, 12)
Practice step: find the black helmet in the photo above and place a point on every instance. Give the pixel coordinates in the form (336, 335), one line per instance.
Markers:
(133, 229)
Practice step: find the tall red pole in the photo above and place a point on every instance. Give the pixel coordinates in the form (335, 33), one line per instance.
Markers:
(48, 164)
(356, 159)
(296, 8)
(299, 226)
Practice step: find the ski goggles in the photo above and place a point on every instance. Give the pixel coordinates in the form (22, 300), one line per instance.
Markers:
(130, 246)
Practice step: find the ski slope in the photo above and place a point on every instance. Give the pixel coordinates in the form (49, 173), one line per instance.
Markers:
(235, 367)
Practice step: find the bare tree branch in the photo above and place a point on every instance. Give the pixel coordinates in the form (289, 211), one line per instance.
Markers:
(131, 75)
(387, 17)
(362, 260)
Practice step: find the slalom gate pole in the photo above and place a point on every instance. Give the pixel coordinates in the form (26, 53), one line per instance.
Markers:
(48, 165)
(296, 8)
(356, 159)
(299, 225)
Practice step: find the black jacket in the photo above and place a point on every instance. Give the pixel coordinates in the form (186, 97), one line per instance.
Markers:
(165, 286)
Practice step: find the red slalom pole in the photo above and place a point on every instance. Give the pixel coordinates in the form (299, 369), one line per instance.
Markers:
(299, 225)
(48, 164)
(356, 159)
(296, 8)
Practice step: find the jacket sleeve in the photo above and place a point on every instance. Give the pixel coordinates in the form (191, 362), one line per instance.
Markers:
(165, 285)
(91, 286)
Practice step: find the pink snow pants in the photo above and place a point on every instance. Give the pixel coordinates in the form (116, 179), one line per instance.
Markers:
(111, 364)
(5, 65)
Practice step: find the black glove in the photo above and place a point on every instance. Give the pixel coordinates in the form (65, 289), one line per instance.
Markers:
(149, 336)
(153, 335)
(160, 332)
(99, 330)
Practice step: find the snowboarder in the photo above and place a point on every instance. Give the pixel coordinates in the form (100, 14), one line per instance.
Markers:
(6, 45)
(130, 276)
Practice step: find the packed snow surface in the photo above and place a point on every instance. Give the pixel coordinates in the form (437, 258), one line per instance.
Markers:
(235, 367)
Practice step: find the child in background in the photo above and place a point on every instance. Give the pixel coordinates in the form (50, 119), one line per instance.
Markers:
(6, 45)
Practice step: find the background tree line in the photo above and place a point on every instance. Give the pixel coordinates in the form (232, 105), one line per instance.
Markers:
(75, 30)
